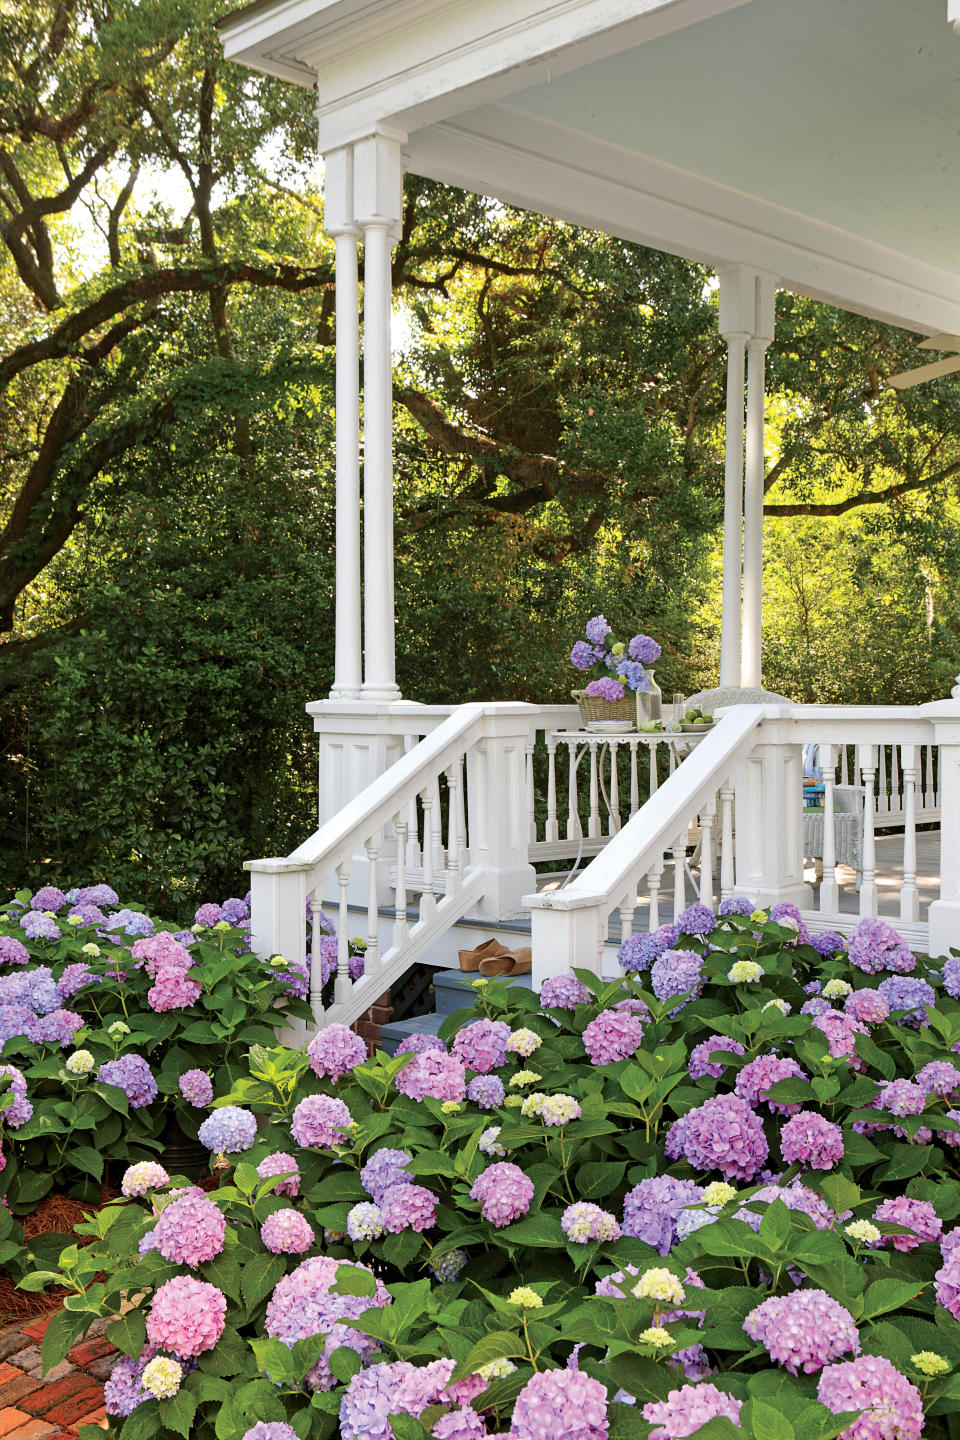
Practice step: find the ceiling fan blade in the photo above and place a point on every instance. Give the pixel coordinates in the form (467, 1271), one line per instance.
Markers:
(941, 341)
(908, 378)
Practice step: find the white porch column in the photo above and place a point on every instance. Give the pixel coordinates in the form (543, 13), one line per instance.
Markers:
(944, 913)
(732, 507)
(752, 624)
(378, 190)
(339, 222)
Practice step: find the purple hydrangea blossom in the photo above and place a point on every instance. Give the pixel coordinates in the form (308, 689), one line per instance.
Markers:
(49, 897)
(841, 1031)
(736, 905)
(38, 926)
(56, 1028)
(597, 629)
(951, 976)
(874, 945)
(397, 1388)
(939, 1077)
(20, 1110)
(133, 1076)
(384, 1168)
(632, 674)
(95, 895)
(270, 1429)
(486, 1091)
(563, 992)
(306, 1303)
(700, 1064)
(908, 993)
(234, 911)
(677, 972)
(503, 1193)
(651, 1209)
(123, 1391)
(334, 1051)
(208, 914)
(613, 1035)
(891, 1405)
(697, 920)
(228, 1131)
(803, 1331)
(645, 649)
(416, 1043)
(606, 688)
(816, 1005)
(74, 978)
(482, 1045)
(947, 1287)
(900, 1097)
(638, 952)
(131, 922)
(14, 1020)
(583, 656)
(828, 943)
(407, 1207)
(88, 915)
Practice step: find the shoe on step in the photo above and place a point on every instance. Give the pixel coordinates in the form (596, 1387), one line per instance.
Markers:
(470, 960)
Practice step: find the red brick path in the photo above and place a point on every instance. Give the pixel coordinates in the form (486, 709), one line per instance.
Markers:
(51, 1406)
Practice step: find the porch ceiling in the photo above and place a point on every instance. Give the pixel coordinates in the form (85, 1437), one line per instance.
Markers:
(816, 140)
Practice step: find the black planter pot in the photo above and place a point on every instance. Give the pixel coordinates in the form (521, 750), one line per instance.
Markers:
(183, 1156)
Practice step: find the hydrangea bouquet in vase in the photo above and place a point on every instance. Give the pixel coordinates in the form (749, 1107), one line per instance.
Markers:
(621, 688)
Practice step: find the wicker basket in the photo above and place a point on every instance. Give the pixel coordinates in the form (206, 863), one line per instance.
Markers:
(595, 710)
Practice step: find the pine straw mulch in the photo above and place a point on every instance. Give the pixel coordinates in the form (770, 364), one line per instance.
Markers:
(61, 1214)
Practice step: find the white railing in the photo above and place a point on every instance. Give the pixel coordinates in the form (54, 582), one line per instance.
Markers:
(890, 782)
(740, 795)
(454, 803)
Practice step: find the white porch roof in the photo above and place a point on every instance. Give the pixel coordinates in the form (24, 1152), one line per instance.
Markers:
(816, 140)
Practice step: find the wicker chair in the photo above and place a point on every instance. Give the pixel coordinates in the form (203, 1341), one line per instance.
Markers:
(849, 801)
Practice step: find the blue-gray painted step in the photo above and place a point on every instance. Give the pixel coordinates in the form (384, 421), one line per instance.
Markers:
(396, 1031)
(454, 988)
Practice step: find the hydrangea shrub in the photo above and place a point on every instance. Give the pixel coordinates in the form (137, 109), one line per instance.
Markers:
(739, 1210)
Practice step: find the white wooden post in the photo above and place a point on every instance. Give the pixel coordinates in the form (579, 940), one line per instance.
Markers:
(909, 896)
(339, 221)
(278, 923)
(769, 805)
(944, 914)
(496, 809)
(752, 627)
(561, 938)
(736, 335)
(378, 192)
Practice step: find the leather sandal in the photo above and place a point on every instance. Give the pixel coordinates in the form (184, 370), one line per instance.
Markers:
(470, 960)
(508, 964)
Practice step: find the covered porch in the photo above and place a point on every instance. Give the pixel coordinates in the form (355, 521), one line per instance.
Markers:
(805, 148)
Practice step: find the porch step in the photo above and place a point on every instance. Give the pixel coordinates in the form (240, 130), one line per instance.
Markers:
(453, 990)
(394, 1033)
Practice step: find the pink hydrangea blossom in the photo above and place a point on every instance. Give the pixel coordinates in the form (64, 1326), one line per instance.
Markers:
(687, 1409)
(172, 991)
(190, 1231)
(947, 1278)
(891, 1405)
(810, 1139)
(803, 1331)
(724, 1134)
(613, 1035)
(841, 1031)
(320, 1120)
(434, 1073)
(482, 1045)
(756, 1078)
(867, 1006)
(503, 1193)
(874, 945)
(700, 1064)
(916, 1215)
(407, 1207)
(187, 1316)
(162, 952)
(561, 1405)
(287, 1232)
(280, 1163)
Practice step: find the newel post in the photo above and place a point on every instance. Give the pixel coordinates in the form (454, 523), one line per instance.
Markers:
(944, 914)
(497, 810)
(278, 919)
(562, 939)
(769, 818)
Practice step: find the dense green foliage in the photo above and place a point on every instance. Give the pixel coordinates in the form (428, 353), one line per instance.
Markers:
(166, 491)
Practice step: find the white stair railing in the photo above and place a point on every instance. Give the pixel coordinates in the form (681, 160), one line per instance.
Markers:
(471, 853)
(742, 790)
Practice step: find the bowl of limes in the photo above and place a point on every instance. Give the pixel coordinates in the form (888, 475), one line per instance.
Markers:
(695, 722)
